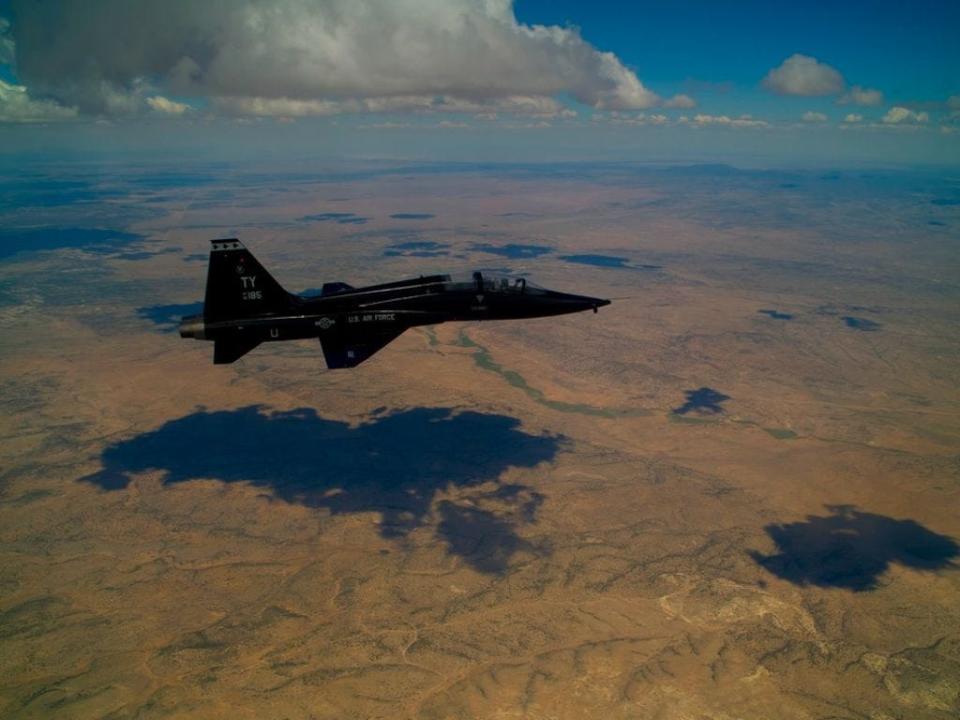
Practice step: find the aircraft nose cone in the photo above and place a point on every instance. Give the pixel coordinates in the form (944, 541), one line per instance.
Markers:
(562, 303)
(585, 302)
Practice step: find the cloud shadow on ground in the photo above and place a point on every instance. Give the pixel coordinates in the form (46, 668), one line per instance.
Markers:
(607, 261)
(341, 218)
(512, 250)
(776, 314)
(703, 401)
(393, 464)
(417, 248)
(15, 240)
(851, 549)
(861, 324)
(168, 316)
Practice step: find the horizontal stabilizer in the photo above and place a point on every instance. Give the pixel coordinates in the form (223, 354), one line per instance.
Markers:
(226, 351)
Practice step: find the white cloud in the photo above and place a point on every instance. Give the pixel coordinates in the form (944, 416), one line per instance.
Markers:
(16, 106)
(309, 57)
(623, 89)
(898, 115)
(281, 107)
(166, 106)
(532, 106)
(680, 101)
(853, 118)
(813, 117)
(804, 75)
(7, 47)
(953, 105)
(622, 118)
(861, 96)
(386, 126)
(744, 121)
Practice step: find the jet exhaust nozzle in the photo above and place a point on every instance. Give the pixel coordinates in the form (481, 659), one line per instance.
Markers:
(192, 326)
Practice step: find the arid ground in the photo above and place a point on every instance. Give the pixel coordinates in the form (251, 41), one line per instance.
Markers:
(734, 493)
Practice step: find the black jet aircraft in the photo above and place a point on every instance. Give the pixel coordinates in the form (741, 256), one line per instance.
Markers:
(244, 306)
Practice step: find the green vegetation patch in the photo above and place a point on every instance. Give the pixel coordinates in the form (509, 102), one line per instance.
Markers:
(687, 420)
(485, 361)
(781, 433)
(30, 496)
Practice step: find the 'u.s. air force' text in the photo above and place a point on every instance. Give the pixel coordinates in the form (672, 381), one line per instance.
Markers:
(372, 317)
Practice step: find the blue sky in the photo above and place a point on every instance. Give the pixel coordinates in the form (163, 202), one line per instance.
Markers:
(911, 48)
(755, 82)
(910, 51)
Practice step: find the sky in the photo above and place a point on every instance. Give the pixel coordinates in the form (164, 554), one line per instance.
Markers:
(752, 83)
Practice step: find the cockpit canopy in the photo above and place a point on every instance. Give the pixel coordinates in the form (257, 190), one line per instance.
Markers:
(489, 283)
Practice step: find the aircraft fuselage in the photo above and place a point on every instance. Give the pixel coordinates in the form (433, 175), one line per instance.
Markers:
(258, 310)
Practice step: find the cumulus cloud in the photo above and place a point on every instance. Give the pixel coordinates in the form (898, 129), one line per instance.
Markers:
(813, 117)
(680, 101)
(535, 106)
(311, 57)
(898, 115)
(16, 106)
(744, 121)
(858, 95)
(7, 52)
(853, 118)
(279, 107)
(621, 118)
(953, 105)
(166, 106)
(386, 126)
(804, 75)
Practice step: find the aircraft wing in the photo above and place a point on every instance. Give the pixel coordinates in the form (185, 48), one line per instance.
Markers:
(347, 350)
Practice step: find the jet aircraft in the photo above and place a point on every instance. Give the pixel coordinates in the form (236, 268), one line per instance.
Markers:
(244, 306)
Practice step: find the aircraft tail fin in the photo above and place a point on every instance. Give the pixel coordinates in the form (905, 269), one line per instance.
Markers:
(239, 286)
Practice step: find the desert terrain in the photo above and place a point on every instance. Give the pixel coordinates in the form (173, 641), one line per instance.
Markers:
(733, 493)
